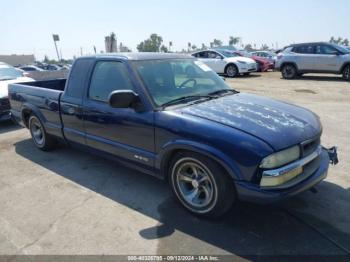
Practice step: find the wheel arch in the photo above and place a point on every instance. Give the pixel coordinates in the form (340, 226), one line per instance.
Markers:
(344, 66)
(170, 150)
(289, 63)
(27, 110)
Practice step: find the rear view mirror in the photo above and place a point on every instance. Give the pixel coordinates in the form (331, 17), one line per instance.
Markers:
(123, 99)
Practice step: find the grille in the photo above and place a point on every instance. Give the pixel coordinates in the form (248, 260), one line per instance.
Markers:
(309, 146)
(4, 104)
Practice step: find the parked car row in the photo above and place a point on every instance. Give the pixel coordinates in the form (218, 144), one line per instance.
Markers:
(39, 67)
(293, 61)
(236, 62)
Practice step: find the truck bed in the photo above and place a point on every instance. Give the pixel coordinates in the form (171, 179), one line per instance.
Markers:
(56, 84)
(43, 96)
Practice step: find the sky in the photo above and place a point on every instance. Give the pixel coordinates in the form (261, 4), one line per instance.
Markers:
(26, 26)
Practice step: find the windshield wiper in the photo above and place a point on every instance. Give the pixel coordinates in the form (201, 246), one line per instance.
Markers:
(223, 91)
(184, 99)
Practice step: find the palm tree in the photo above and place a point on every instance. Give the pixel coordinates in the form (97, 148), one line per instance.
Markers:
(234, 40)
(113, 40)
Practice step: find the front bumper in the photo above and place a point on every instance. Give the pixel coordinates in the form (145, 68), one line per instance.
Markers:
(254, 193)
(248, 68)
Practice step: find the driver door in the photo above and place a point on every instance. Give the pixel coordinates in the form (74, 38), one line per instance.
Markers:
(120, 131)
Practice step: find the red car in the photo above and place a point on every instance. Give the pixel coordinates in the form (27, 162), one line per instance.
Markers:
(263, 64)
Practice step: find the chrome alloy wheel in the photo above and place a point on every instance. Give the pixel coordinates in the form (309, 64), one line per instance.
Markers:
(37, 132)
(195, 184)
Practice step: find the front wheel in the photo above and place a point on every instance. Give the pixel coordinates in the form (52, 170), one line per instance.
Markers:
(346, 73)
(231, 71)
(201, 185)
(41, 139)
(289, 72)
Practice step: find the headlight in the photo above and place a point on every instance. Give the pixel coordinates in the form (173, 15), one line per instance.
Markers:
(281, 158)
(242, 62)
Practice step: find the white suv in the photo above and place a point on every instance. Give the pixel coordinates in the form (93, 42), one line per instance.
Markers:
(300, 59)
(226, 62)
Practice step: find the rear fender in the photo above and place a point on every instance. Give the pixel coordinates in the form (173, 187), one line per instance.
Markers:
(26, 107)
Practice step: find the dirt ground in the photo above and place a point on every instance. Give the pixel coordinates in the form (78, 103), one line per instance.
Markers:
(70, 202)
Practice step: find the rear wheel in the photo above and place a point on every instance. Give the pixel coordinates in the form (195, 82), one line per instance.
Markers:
(346, 73)
(201, 185)
(231, 71)
(289, 71)
(41, 139)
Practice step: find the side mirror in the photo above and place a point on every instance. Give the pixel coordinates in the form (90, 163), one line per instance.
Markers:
(123, 99)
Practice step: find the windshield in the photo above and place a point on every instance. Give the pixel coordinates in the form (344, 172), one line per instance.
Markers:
(341, 49)
(8, 73)
(228, 53)
(168, 80)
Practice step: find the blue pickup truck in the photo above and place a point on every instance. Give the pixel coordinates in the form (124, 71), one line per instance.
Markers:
(171, 116)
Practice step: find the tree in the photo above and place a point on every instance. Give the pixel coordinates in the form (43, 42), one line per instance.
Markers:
(217, 43)
(339, 41)
(123, 48)
(265, 47)
(112, 43)
(249, 48)
(164, 49)
(46, 59)
(234, 40)
(204, 47)
(194, 47)
(151, 44)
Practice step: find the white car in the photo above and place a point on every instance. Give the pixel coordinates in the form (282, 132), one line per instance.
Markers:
(226, 62)
(8, 75)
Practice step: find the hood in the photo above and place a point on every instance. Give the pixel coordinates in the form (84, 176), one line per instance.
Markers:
(281, 125)
(4, 84)
(260, 59)
(240, 58)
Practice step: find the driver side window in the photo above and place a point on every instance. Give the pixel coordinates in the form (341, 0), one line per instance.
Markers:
(108, 76)
(214, 55)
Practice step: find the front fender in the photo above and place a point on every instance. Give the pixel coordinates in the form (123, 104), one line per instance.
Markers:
(169, 148)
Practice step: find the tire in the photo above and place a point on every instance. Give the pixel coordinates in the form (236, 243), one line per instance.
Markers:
(346, 73)
(289, 71)
(201, 185)
(231, 71)
(40, 138)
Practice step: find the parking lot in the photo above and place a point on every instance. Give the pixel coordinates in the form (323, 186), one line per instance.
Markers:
(71, 202)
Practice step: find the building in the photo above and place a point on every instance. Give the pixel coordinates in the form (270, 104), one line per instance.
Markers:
(110, 44)
(16, 60)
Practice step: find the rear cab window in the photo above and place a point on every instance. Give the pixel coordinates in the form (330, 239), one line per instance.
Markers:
(78, 78)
